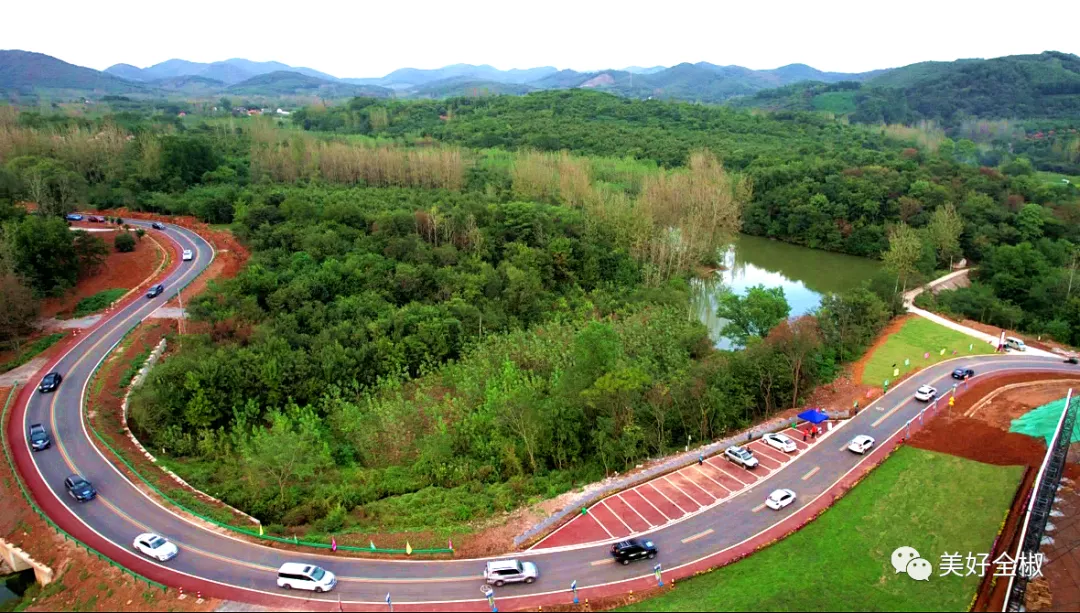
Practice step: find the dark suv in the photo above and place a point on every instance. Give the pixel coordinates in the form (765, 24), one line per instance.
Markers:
(39, 438)
(79, 488)
(627, 551)
(155, 291)
(50, 382)
(157, 225)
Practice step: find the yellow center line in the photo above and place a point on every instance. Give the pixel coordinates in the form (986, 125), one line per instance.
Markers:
(697, 536)
(759, 507)
(813, 471)
(602, 562)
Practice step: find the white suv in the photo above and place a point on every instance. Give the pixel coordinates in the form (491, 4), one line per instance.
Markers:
(500, 572)
(926, 393)
(779, 441)
(187, 255)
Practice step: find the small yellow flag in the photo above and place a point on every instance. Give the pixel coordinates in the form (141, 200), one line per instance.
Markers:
(408, 548)
(260, 530)
(896, 372)
(942, 351)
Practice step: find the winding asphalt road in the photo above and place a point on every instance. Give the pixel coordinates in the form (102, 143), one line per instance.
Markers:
(230, 568)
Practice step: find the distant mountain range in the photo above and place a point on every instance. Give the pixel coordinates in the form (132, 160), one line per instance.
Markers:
(28, 73)
(1044, 85)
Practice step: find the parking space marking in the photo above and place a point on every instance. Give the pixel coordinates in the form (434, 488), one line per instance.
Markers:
(697, 536)
(681, 490)
(628, 528)
(647, 522)
(657, 490)
(694, 483)
(704, 474)
(649, 502)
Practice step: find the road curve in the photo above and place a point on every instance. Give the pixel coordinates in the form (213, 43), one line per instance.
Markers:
(225, 567)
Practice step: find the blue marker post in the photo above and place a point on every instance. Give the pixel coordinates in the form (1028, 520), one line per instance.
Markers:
(389, 603)
(659, 579)
(573, 588)
(490, 593)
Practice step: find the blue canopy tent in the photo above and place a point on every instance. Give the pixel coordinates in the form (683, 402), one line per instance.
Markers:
(814, 416)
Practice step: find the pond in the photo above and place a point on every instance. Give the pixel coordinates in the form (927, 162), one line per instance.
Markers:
(805, 274)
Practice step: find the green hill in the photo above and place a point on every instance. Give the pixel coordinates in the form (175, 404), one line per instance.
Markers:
(1043, 86)
(24, 72)
(285, 83)
(465, 86)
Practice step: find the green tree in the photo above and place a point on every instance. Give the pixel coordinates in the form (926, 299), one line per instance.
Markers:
(849, 321)
(1030, 222)
(944, 232)
(286, 451)
(754, 314)
(18, 309)
(43, 251)
(905, 249)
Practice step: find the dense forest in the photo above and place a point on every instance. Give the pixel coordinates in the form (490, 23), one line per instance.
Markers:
(454, 308)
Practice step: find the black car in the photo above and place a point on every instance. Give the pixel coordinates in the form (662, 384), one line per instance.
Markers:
(155, 291)
(1072, 359)
(50, 382)
(39, 438)
(79, 488)
(627, 551)
(157, 225)
(963, 373)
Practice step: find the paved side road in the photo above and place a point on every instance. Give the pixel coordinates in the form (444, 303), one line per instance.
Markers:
(950, 280)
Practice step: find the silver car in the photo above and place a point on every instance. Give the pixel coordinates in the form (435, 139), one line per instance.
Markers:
(501, 572)
(741, 456)
(925, 393)
(779, 441)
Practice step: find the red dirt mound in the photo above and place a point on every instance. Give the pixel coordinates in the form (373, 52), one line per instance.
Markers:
(977, 440)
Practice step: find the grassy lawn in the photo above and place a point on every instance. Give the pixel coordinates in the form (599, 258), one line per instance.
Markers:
(917, 337)
(841, 561)
(98, 301)
(31, 351)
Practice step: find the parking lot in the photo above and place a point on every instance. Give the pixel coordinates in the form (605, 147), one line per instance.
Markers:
(671, 497)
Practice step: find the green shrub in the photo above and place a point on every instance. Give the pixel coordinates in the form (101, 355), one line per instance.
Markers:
(125, 242)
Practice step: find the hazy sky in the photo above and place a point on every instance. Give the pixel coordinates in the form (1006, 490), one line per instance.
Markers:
(369, 39)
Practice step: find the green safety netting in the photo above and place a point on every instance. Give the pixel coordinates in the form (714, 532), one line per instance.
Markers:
(1043, 421)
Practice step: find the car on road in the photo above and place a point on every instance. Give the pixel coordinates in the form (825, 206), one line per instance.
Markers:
(96, 218)
(157, 225)
(780, 499)
(1072, 359)
(305, 577)
(629, 550)
(187, 255)
(925, 393)
(963, 373)
(50, 382)
(80, 489)
(155, 291)
(501, 572)
(39, 437)
(779, 441)
(861, 444)
(741, 456)
(155, 546)
(73, 217)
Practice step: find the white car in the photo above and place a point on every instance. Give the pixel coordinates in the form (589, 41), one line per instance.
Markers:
(293, 576)
(925, 393)
(741, 456)
(779, 441)
(155, 546)
(780, 499)
(861, 444)
(187, 255)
